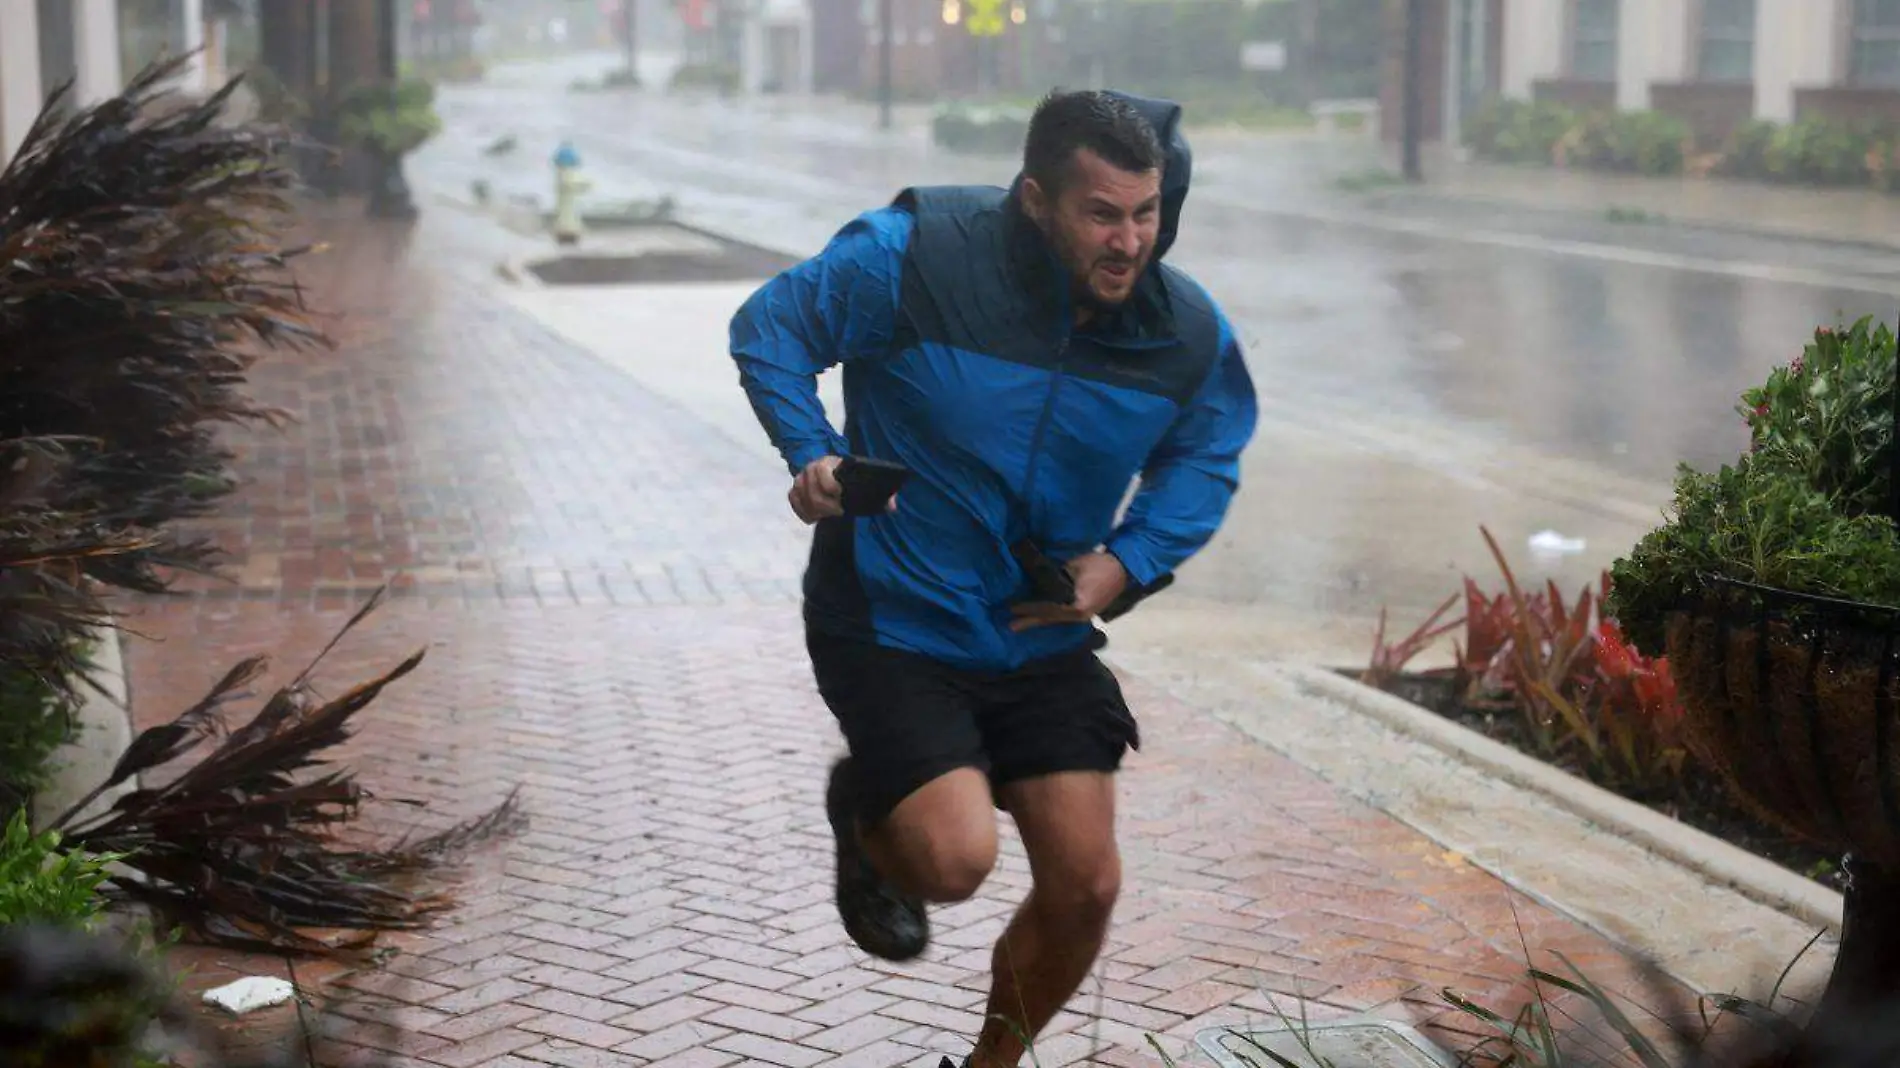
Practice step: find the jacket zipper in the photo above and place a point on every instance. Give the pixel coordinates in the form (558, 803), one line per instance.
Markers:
(1042, 426)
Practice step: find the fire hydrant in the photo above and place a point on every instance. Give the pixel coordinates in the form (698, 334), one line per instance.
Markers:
(569, 184)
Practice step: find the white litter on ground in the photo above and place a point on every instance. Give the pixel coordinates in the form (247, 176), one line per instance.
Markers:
(250, 993)
(1551, 543)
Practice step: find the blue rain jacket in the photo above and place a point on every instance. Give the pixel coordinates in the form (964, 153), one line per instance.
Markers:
(952, 321)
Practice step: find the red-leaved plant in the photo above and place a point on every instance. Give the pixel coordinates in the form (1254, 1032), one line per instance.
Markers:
(1585, 695)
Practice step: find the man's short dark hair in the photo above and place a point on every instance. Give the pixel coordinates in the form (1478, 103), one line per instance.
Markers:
(1104, 123)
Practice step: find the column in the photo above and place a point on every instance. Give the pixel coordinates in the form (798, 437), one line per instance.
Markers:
(807, 48)
(1796, 47)
(356, 34)
(198, 73)
(1652, 46)
(752, 49)
(1533, 44)
(96, 50)
(20, 90)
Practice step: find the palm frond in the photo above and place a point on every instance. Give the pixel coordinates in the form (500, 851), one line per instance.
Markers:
(240, 848)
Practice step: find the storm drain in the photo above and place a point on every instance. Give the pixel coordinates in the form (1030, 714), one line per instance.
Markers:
(656, 255)
(1353, 1043)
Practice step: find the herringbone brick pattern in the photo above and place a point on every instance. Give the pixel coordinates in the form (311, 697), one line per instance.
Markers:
(605, 591)
(456, 449)
(670, 902)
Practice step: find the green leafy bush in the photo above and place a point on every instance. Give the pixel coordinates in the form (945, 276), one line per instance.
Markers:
(1804, 510)
(389, 119)
(36, 719)
(1520, 131)
(1820, 152)
(980, 130)
(77, 990)
(1812, 151)
(1646, 142)
(41, 883)
(1746, 153)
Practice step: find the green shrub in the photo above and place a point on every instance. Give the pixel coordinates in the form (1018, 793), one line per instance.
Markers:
(1883, 162)
(1645, 142)
(52, 908)
(1520, 131)
(1650, 142)
(39, 883)
(393, 120)
(980, 130)
(1803, 510)
(36, 719)
(1820, 152)
(719, 78)
(1745, 155)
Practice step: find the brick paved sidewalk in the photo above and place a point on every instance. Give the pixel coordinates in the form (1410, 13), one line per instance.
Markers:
(620, 639)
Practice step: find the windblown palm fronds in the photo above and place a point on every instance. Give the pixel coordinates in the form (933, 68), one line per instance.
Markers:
(48, 610)
(238, 849)
(141, 275)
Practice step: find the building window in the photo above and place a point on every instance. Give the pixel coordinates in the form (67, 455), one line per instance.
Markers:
(1725, 46)
(1875, 56)
(1593, 40)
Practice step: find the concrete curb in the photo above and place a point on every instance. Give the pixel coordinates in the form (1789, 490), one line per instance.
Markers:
(1718, 861)
(1736, 227)
(105, 730)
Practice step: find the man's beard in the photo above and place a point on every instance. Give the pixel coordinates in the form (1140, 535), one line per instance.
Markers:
(1079, 270)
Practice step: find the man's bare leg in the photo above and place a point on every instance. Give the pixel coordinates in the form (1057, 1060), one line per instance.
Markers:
(939, 844)
(1068, 828)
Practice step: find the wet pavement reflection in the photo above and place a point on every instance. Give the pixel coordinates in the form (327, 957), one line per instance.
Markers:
(1419, 378)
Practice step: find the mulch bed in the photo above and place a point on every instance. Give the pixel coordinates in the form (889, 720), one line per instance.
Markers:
(1702, 802)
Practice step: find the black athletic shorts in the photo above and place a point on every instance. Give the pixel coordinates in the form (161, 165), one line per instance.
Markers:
(908, 719)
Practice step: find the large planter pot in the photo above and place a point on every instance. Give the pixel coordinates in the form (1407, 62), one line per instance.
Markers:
(1795, 700)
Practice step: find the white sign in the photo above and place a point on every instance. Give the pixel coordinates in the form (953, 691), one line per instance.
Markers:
(1263, 55)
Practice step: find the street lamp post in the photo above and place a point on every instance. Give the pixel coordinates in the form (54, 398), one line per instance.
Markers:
(884, 64)
(629, 22)
(390, 197)
(1414, 90)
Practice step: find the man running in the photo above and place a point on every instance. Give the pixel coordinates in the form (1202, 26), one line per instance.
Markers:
(1025, 355)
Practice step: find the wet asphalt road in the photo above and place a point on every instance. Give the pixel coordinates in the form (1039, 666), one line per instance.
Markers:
(1424, 367)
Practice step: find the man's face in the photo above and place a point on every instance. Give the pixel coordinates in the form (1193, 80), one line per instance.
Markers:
(1103, 225)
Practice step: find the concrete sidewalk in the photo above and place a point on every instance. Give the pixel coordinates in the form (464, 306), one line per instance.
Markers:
(606, 588)
(1851, 216)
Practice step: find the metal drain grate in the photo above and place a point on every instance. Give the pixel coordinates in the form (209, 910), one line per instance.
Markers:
(1350, 1043)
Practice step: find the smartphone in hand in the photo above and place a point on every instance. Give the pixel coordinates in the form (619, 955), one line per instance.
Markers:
(869, 484)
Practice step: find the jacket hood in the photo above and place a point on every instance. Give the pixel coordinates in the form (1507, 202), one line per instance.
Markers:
(1178, 163)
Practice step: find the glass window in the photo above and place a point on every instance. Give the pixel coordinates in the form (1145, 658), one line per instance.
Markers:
(1875, 55)
(1593, 40)
(1726, 49)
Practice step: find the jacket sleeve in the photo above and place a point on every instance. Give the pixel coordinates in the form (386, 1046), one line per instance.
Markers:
(838, 306)
(1191, 476)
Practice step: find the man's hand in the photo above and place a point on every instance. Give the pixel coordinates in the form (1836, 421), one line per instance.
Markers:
(1099, 579)
(815, 492)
